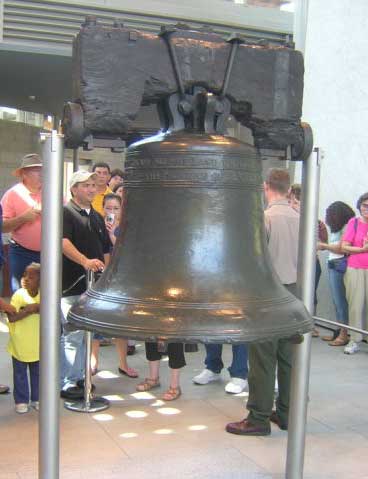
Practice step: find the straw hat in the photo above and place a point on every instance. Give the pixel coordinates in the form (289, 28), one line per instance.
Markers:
(28, 161)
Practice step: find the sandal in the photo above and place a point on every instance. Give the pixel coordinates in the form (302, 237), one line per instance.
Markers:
(148, 384)
(171, 394)
(341, 340)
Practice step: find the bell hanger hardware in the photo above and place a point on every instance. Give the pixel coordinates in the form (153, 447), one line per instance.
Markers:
(263, 83)
(191, 263)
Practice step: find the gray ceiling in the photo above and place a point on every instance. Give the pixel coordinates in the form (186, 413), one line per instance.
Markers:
(35, 39)
(45, 77)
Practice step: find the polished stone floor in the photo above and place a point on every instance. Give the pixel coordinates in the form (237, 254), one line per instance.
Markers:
(141, 437)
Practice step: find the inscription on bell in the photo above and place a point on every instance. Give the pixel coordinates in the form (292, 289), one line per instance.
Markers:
(192, 162)
(207, 177)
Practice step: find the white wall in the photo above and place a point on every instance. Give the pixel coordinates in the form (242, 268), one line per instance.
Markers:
(336, 95)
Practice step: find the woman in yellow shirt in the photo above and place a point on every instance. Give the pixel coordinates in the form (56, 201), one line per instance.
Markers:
(24, 331)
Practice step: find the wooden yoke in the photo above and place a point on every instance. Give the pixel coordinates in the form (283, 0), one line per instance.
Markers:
(116, 70)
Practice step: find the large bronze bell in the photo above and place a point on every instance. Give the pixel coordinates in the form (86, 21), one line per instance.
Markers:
(191, 262)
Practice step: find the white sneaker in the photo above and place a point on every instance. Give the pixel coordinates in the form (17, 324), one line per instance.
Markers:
(351, 348)
(236, 385)
(35, 405)
(21, 408)
(206, 376)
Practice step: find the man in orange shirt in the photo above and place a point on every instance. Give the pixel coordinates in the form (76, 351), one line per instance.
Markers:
(22, 217)
(102, 171)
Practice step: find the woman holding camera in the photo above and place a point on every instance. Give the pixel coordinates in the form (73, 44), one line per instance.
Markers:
(112, 214)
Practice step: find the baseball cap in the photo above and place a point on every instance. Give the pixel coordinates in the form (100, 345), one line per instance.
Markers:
(80, 177)
(28, 161)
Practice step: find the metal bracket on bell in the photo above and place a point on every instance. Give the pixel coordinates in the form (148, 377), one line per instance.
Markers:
(302, 151)
(73, 124)
(218, 109)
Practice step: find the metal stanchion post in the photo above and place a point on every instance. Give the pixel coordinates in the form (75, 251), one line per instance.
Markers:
(302, 351)
(88, 403)
(53, 157)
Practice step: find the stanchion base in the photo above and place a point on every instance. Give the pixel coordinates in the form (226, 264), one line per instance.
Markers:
(95, 405)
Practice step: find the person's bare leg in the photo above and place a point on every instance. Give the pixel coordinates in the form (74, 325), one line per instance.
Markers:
(121, 345)
(174, 378)
(94, 354)
(154, 369)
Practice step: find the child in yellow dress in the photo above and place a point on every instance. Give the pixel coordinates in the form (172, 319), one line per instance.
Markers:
(24, 331)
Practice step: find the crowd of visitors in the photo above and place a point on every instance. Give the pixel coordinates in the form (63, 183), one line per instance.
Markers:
(92, 221)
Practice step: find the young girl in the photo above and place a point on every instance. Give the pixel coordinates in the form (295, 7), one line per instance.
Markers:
(24, 330)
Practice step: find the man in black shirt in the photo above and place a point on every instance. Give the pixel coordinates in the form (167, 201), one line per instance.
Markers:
(86, 246)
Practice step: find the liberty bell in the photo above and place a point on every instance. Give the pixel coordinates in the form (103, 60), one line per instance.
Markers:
(191, 263)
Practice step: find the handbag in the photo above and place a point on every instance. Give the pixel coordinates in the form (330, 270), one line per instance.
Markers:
(340, 264)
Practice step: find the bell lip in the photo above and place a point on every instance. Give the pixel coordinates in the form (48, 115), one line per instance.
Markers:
(205, 337)
(189, 337)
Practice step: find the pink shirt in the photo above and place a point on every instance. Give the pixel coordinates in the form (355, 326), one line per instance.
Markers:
(16, 201)
(356, 238)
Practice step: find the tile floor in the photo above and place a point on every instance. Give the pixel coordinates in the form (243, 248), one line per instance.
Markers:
(141, 437)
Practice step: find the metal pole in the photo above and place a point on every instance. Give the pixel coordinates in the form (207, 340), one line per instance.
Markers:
(341, 325)
(89, 403)
(301, 352)
(53, 157)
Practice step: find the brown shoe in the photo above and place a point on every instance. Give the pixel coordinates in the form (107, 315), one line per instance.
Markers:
(245, 428)
(276, 420)
(327, 338)
(341, 340)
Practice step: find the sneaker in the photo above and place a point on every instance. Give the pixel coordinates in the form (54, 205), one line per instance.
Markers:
(4, 389)
(206, 376)
(351, 348)
(35, 405)
(236, 385)
(21, 408)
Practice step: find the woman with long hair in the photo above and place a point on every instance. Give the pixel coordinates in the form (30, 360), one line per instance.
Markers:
(338, 215)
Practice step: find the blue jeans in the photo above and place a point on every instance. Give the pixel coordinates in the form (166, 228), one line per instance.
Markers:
(20, 378)
(19, 259)
(239, 365)
(337, 287)
(72, 358)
